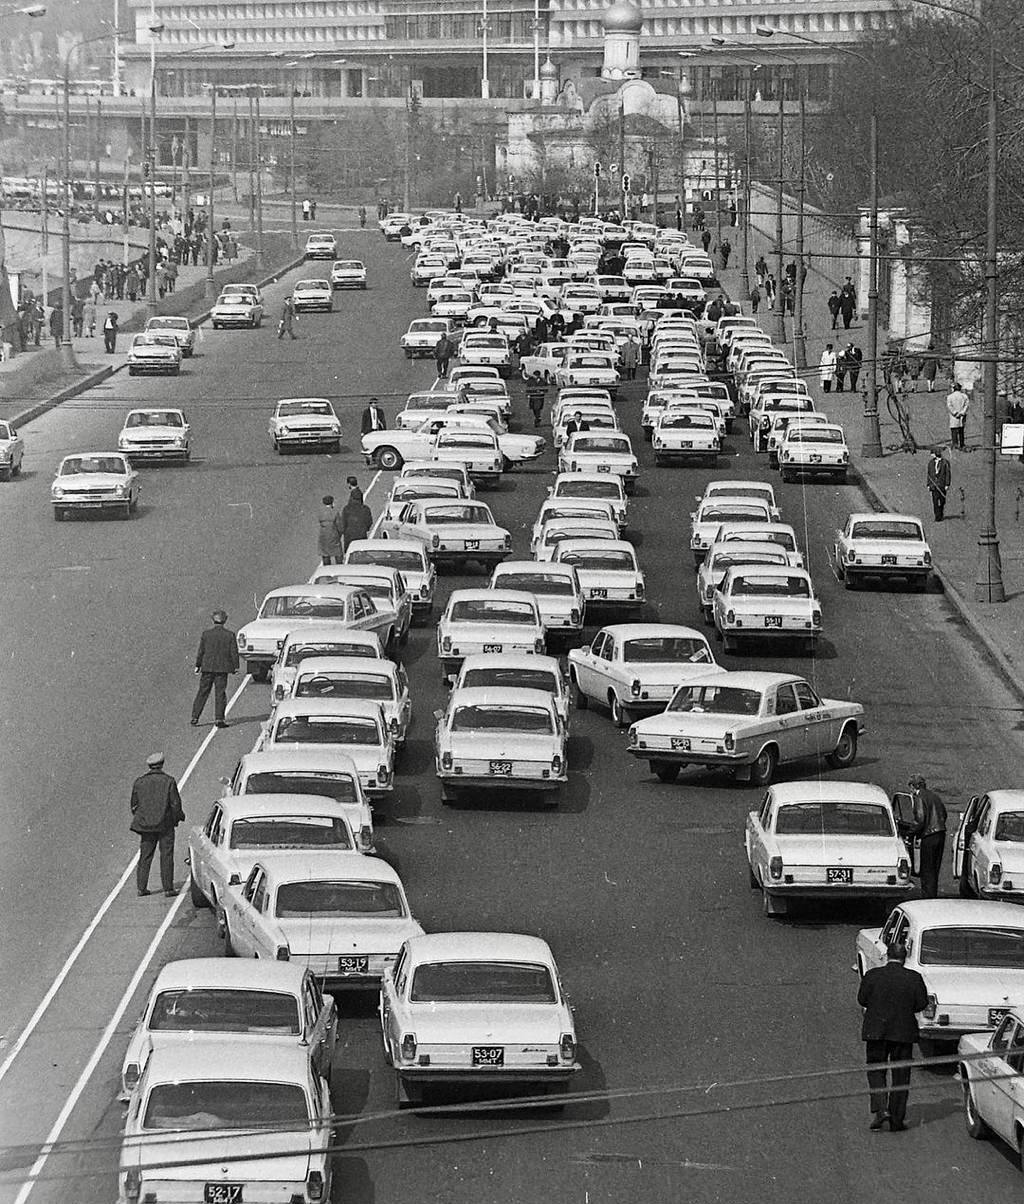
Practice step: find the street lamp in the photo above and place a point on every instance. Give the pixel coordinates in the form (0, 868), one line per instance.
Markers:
(485, 83)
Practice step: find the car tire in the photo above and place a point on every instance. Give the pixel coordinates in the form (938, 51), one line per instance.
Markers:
(131, 371)
(708, 614)
(127, 511)
(763, 769)
(772, 906)
(976, 1127)
(665, 771)
(845, 752)
(6, 473)
(755, 883)
(59, 514)
(728, 643)
(388, 458)
(579, 700)
(620, 715)
(850, 580)
(229, 948)
(199, 900)
(964, 888)
(258, 673)
(335, 447)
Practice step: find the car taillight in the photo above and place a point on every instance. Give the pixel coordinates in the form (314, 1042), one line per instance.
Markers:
(903, 869)
(383, 774)
(279, 691)
(730, 616)
(538, 644)
(409, 1047)
(775, 867)
(282, 954)
(567, 1047)
(132, 1184)
(556, 764)
(446, 643)
(729, 740)
(446, 760)
(995, 873)
(572, 466)
(241, 639)
(931, 1007)
(574, 615)
(816, 618)
(393, 727)
(634, 686)
(927, 557)
(851, 556)
(641, 588)
(315, 1185)
(365, 836)
(131, 1076)
(436, 541)
(709, 590)
(508, 540)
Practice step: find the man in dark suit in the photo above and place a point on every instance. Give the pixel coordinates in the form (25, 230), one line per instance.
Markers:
(891, 996)
(156, 812)
(216, 659)
(576, 423)
(373, 418)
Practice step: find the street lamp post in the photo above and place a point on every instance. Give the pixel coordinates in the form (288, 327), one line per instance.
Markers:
(536, 49)
(210, 287)
(485, 83)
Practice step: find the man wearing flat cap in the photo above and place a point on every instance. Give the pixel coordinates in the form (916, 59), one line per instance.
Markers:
(156, 812)
(216, 659)
(930, 814)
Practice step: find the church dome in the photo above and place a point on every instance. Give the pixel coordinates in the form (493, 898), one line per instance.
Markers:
(548, 70)
(623, 16)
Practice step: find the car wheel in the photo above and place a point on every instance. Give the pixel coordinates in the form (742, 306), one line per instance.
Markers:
(620, 716)
(579, 700)
(229, 949)
(336, 447)
(728, 643)
(837, 560)
(199, 900)
(665, 771)
(845, 752)
(257, 672)
(448, 795)
(754, 881)
(131, 371)
(773, 906)
(851, 580)
(964, 887)
(976, 1127)
(388, 458)
(928, 1047)
(708, 614)
(58, 514)
(127, 511)
(763, 769)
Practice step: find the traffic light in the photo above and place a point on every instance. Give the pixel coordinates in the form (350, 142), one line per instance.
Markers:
(625, 181)
(597, 170)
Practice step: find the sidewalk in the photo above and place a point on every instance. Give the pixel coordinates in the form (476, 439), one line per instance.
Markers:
(897, 480)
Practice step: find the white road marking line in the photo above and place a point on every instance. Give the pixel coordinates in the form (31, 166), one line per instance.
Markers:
(105, 906)
(101, 1048)
(369, 488)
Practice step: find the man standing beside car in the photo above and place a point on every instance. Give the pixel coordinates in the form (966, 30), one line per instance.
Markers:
(216, 659)
(156, 812)
(930, 813)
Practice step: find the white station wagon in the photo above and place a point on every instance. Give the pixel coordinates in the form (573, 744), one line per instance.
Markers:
(477, 1008)
(504, 739)
(988, 854)
(825, 840)
(882, 546)
(487, 621)
(766, 601)
(721, 557)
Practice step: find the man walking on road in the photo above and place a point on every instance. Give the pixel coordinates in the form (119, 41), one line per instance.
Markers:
(938, 482)
(957, 403)
(287, 323)
(216, 659)
(890, 995)
(444, 349)
(156, 812)
(930, 812)
(854, 359)
(356, 519)
(847, 302)
(110, 332)
(329, 537)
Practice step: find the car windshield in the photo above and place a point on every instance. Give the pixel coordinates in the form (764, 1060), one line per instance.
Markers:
(614, 560)
(716, 700)
(600, 443)
(576, 530)
(512, 678)
(343, 685)
(89, 464)
(155, 418)
(168, 324)
(226, 1104)
(297, 653)
(994, 948)
(440, 516)
(536, 583)
(377, 900)
(657, 649)
(502, 718)
(288, 409)
(750, 585)
(1010, 827)
(348, 265)
(5, 431)
(883, 528)
(483, 610)
(828, 818)
(482, 982)
(484, 340)
(392, 558)
(814, 434)
(338, 786)
(225, 1010)
(155, 340)
(315, 284)
(599, 489)
(290, 832)
(302, 606)
(326, 729)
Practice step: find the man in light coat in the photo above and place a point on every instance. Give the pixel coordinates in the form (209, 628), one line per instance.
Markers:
(329, 535)
(957, 404)
(827, 367)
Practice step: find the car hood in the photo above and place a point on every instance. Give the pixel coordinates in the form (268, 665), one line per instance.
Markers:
(343, 937)
(841, 850)
(94, 480)
(246, 1154)
(486, 1024)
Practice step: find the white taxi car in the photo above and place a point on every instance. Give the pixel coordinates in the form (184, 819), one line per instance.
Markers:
(882, 546)
(12, 451)
(406, 556)
(556, 588)
(825, 840)
(991, 1075)
(723, 487)
(453, 532)
(556, 530)
(318, 639)
(344, 917)
(208, 999)
(181, 328)
(970, 953)
(544, 363)
(490, 349)
(587, 368)
(781, 535)
(294, 607)
(817, 449)
(435, 469)
(348, 273)
(635, 668)
(95, 481)
(356, 727)
(686, 435)
(240, 828)
(235, 307)
(722, 556)
(423, 333)
(608, 571)
(711, 513)
(426, 267)
(155, 434)
(386, 586)
(301, 422)
(477, 1007)
(766, 601)
(242, 1120)
(313, 294)
(516, 671)
(373, 678)
(487, 620)
(605, 487)
(500, 739)
(570, 508)
(321, 246)
(154, 353)
(988, 854)
(749, 723)
(600, 452)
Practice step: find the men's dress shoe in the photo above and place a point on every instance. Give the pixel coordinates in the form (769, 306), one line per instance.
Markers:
(143, 892)
(171, 894)
(896, 1126)
(193, 722)
(879, 1121)
(222, 723)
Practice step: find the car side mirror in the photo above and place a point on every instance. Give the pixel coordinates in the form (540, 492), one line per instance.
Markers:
(224, 781)
(235, 880)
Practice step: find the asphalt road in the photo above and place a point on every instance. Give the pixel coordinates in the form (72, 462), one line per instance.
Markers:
(729, 1042)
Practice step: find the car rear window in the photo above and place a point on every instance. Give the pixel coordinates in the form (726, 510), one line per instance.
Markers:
(482, 982)
(290, 832)
(833, 819)
(226, 1105)
(225, 1010)
(337, 786)
(995, 948)
(344, 899)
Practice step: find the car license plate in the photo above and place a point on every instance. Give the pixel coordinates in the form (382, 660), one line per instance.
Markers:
(604, 468)
(773, 620)
(839, 873)
(996, 1016)
(888, 559)
(686, 443)
(488, 1055)
(353, 965)
(502, 768)
(492, 647)
(680, 743)
(472, 545)
(815, 459)
(223, 1193)
(598, 592)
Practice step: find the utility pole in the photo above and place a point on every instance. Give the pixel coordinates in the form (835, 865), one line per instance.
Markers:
(622, 154)
(210, 287)
(234, 148)
(871, 440)
(715, 76)
(99, 136)
(45, 228)
(151, 158)
(259, 188)
(780, 304)
(799, 334)
(407, 176)
(291, 165)
(252, 164)
(186, 174)
(745, 228)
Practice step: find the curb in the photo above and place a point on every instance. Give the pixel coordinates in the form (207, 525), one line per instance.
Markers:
(101, 374)
(959, 604)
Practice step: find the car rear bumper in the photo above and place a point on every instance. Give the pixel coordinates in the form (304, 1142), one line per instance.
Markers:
(864, 890)
(482, 1074)
(500, 782)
